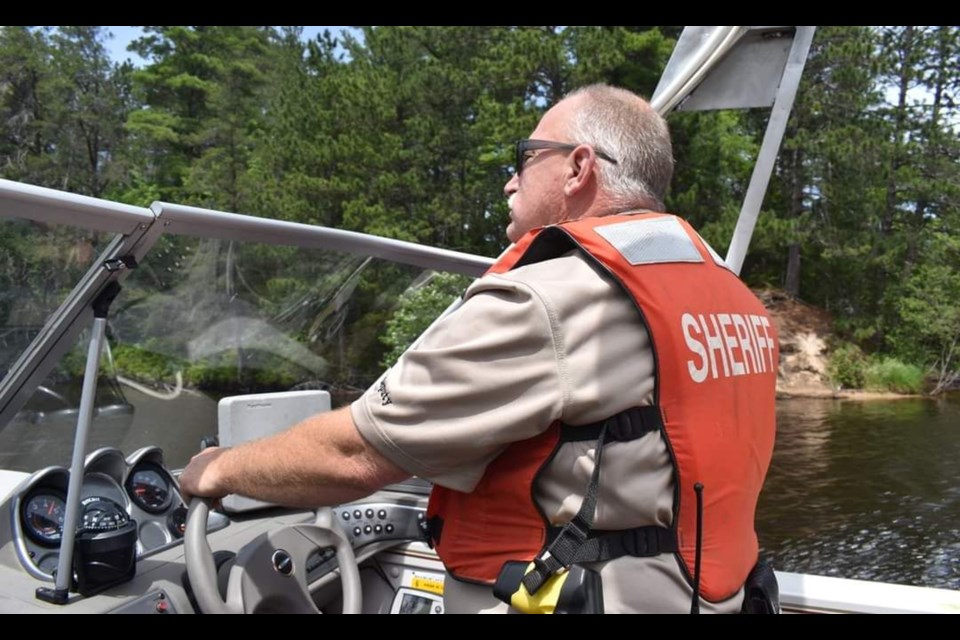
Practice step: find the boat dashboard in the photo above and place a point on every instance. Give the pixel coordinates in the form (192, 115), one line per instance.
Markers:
(115, 490)
(141, 493)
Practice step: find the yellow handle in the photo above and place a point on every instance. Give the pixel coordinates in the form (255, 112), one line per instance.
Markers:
(546, 598)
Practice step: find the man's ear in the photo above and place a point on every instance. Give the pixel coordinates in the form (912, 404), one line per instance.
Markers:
(581, 166)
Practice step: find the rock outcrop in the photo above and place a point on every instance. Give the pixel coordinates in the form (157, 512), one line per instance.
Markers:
(804, 333)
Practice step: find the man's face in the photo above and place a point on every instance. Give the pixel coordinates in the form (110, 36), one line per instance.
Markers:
(535, 194)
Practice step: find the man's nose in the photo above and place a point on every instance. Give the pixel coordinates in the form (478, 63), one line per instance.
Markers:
(513, 184)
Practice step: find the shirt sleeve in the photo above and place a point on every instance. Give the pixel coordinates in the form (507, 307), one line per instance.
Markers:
(483, 377)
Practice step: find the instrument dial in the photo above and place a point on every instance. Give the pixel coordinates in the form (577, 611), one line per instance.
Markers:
(43, 514)
(150, 489)
(102, 514)
(177, 522)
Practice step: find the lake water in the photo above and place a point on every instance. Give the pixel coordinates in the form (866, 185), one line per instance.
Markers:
(867, 490)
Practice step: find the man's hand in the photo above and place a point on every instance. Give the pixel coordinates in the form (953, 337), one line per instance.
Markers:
(321, 461)
(200, 477)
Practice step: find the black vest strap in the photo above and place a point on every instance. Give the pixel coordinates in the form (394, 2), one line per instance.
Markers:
(431, 529)
(569, 548)
(576, 541)
(639, 542)
(630, 424)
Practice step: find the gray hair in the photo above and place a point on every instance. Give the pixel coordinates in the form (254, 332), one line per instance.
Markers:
(625, 127)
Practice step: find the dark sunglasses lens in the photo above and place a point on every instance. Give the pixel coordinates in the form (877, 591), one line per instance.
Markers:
(521, 150)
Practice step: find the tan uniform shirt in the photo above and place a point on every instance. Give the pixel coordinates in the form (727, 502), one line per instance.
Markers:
(555, 340)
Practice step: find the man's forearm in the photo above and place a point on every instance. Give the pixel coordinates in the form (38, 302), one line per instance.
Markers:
(321, 461)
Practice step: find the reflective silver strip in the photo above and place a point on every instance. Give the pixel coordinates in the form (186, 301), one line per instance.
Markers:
(713, 254)
(651, 241)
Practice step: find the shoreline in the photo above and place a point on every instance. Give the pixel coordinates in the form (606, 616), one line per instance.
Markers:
(845, 394)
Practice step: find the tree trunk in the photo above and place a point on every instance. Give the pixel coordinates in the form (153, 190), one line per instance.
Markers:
(792, 280)
(900, 116)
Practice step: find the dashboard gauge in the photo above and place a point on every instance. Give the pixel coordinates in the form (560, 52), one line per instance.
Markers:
(149, 488)
(43, 514)
(102, 514)
(177, 522)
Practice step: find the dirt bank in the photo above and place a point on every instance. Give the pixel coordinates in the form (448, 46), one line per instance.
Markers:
(804, 334)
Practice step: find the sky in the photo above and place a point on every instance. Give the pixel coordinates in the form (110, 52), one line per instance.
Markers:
(122, 36)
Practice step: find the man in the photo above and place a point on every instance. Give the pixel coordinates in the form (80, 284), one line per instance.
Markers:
(548, 368)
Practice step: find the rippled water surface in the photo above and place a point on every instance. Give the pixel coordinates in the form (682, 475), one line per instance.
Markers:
(867, 490)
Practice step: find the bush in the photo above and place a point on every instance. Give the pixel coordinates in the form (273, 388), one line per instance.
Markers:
(260, 372)
(418, 307)
(848, 366)
(144, 365)
(890, 374)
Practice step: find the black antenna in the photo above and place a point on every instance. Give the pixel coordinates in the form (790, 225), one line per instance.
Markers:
(695, 605)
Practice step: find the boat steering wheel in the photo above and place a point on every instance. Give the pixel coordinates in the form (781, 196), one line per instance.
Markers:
(270, 572)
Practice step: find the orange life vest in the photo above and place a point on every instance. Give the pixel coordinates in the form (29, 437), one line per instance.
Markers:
(716, 354)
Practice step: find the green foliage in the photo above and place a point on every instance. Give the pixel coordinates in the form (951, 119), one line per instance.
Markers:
(929, 328)
(238, 371)
(205, 89)
(63, 104)
(714, 152)
(890, 374)
(848, 366)
(409, 137)
(405, 132)
(39, 265)
(144, 365)
(226, 372)
(418, 307)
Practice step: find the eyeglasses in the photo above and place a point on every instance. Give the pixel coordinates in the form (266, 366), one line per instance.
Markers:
(526, 145)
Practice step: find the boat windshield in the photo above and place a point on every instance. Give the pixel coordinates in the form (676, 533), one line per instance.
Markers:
(199, 318)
